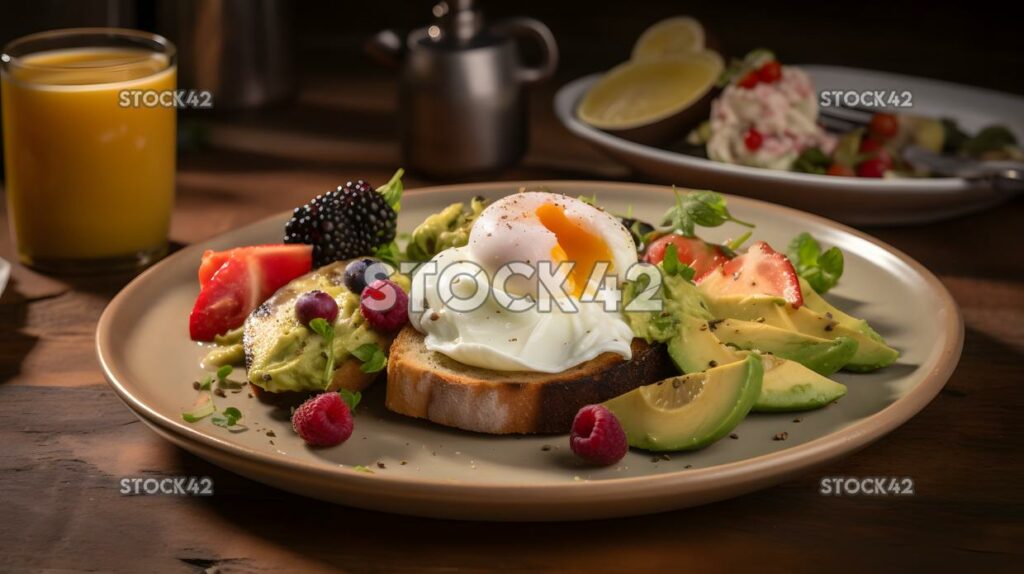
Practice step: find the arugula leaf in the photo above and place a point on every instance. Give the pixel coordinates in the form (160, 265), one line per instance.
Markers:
(821, 270)
(673, 265)
(326, 331)
(361, 468)
(704, 208)
(224, 372)
(204, 385)
(199, 412)
(228, 418)
(392, 190)
(351, 398)
(372, 356)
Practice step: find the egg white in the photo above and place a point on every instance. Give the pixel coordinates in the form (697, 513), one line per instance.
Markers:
(494, 337)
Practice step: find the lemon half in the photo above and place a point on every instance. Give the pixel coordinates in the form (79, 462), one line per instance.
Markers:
(641, 92)
(670, 37)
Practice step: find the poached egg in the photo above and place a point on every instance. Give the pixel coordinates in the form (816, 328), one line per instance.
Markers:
(493, 303)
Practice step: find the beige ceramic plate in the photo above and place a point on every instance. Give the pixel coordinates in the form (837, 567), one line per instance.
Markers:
(144, 349)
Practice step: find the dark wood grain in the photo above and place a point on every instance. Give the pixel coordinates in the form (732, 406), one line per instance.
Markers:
(67, 440)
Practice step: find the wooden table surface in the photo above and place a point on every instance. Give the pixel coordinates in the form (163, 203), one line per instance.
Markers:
(67, 439)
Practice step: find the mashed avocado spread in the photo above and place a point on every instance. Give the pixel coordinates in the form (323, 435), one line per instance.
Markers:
(444, 230)
(283, 355)
(680, 298)
(228, 351)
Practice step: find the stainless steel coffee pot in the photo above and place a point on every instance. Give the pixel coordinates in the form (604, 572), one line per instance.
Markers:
(462, 99)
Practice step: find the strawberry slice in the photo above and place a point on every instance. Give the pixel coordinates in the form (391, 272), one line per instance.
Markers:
(759, 271)
(704, 257)
(235, 282)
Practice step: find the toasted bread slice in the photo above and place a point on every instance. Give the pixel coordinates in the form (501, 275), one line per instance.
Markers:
(429, 385)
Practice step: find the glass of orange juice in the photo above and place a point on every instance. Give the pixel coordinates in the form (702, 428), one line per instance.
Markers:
(89, 146)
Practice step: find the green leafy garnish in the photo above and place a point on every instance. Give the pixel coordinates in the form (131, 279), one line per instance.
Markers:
(821, 270)
(361, 468)
(389, 253)
(224, 372)
(372, 356)
(735, 244)
(673, 265)
(704, 208)
(351, 398)
(738, 68)
(204, 385)
(847, 151)
(812, 160)
(392, 190)
(989, 139)
(199, 412)
(588, 199)
(228, 418)
(326, 331)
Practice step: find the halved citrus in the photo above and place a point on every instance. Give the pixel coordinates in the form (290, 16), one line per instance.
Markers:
(670, 37)
(641, 92)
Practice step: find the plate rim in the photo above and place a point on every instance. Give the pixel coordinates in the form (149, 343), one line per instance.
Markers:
(567, 98)
(719, 477)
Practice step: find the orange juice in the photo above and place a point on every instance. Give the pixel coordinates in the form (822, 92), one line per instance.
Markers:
(89, 179)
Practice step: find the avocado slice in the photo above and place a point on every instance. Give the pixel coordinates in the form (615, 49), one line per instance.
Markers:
(695, 347)
(789, 386)
(818, 304)
(689, 411)
(872, 352)
(824, 356)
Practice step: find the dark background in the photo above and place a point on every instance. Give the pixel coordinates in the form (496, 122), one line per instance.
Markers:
(976, 43)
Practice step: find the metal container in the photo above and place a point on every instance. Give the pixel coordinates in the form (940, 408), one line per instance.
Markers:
(462, 99)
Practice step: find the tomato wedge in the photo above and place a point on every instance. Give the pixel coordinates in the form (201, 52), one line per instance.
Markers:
(759, 271)
(234, 282)
(704, 257)
(211, 263)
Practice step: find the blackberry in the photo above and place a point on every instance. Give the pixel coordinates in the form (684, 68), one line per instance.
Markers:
(349, 222)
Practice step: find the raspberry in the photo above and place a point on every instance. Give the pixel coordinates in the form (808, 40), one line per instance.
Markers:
(597, 436)
(323, 420)
(384, 305)
(346, 223)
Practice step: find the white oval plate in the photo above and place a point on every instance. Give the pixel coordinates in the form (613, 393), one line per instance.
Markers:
(144, 349)
(852, 200)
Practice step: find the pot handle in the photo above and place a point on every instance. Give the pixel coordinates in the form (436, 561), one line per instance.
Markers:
(520, 28)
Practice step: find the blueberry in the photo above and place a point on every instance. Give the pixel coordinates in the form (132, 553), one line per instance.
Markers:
(362, 272)
(316, 305)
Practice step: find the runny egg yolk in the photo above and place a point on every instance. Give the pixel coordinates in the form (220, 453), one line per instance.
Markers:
(575, 243)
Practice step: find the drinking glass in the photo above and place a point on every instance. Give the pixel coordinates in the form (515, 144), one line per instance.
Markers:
(89, 146)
